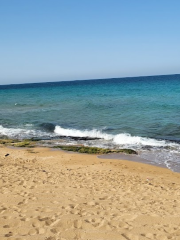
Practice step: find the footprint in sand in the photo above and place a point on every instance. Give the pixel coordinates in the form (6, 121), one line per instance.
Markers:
(130, 236)
(78, 223)
(32, 232)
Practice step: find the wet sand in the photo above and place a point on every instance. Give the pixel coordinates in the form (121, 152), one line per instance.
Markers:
(55, 195)
(129, 157)
(123, 156)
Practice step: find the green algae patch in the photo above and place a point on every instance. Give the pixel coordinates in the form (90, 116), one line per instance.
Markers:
(127, 151)
(8, 141)
(94, 150)
(23, 144)
(17, 143)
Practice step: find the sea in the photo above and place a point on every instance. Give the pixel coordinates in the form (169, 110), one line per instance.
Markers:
(140, 113)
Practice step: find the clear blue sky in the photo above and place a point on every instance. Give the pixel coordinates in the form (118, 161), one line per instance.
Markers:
(54, 40)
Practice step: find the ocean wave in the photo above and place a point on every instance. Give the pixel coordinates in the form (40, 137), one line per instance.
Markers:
(82, 133)
(49, 127)
(21, 133)
(136, 140)
(119, 139)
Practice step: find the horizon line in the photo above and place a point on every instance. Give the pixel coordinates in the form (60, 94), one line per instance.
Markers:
(92, 79)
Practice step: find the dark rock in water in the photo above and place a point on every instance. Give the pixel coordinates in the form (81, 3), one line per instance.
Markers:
(175, 140)
(147, 147)
(63, 137)
(49, 127)
(36, 139)
(74, 138)
(83, 138)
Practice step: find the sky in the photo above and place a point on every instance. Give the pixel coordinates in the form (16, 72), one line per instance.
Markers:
(57, 40)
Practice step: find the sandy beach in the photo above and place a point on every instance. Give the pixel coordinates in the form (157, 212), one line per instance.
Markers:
(54, 195)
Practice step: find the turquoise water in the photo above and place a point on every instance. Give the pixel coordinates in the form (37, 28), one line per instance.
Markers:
(142, 113)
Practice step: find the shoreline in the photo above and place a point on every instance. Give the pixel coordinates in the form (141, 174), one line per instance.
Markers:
(102, 153)
(166, 156)
(58, 195)
(131, 158)
(111, 156)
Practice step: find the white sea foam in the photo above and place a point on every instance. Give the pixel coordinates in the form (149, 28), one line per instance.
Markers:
(136, 140)
(82, 133)
(123, 139)
(161, 152)
(20, 132)
(119, 139)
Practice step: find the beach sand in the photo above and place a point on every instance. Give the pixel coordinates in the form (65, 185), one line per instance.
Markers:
(55, 195)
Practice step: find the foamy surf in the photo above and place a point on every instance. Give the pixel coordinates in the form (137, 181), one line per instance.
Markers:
(158, 152)
(122, 139)
(21, 133)
(82, 133)
(119, 139)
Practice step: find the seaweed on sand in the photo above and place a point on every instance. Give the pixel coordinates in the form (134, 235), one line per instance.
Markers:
(94, 150)
(17, 143)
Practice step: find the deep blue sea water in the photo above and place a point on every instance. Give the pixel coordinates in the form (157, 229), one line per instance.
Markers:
(142, 113)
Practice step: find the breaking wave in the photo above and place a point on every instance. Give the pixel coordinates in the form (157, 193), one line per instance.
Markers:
(119, 139)
(82, 133)
(51, 131)
(22, 133)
